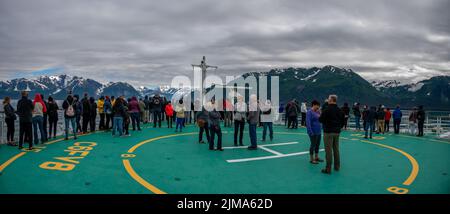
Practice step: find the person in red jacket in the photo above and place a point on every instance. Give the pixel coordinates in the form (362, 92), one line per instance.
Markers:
(169, 114)
(387, 118)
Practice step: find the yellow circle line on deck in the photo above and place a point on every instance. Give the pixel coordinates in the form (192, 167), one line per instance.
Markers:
(140, 180)
(4, 165)
(414, 164)
(132, 149)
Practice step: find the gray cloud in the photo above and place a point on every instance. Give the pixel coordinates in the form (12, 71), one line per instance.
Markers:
(148, 42)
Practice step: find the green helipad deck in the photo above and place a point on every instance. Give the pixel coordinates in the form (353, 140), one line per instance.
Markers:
(158, 160)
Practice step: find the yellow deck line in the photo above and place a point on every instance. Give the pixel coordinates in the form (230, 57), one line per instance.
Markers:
(138, 178)
(414, 164)
(132, 149)
(4, 165)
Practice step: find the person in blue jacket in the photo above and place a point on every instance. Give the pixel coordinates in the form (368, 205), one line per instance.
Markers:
(314, 129)
(397, 115)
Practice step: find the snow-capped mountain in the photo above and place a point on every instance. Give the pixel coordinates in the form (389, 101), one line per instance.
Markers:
(385, 84)
(59, 86)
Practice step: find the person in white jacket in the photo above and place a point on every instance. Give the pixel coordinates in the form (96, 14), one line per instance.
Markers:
(267, 117)
(303, 110)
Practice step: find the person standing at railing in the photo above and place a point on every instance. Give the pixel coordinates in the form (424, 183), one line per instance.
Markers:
(346, 110)
(25, 112)
(370, 118)
(420, 120)
(303, 110)
(380, 120)
(45, 118)
(357, 114)
(101, 112)
(70, 106)
(52, 113)
(108, 110)
(93, 113)
(86, 112)
(413, 121)
(10, 118)
(38, 118)
(387, 119)
(397, 115)
(78, 112)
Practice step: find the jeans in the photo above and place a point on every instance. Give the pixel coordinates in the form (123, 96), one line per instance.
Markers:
(369, 126)
(180, 122)
(331, 141)
(386, 125)
(397, 125)
(101, 126)
(215, 130)
(11, 129)
(420, 127)
(265, 125)
(357, 125)
(44, 126)
(205, 128)
(412, 127)
(315, 144)
(38, 122)
(52, 122)
(135, 120)
(169, 121)
(118, 125)
(78, 120)
(303, 119)
(86, 121)
(157, 118)
(252, 133)
(92, 122)
(70, 121)
(238, 129)
(26, 130)
(108, 119)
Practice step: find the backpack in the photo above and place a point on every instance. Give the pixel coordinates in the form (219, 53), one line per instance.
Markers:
(70, 111)
(156, 101)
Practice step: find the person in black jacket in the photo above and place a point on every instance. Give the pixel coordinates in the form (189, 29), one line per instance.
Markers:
(45, 117)
(380, 119)
(10, 118)
(52, 112)
(420, 120)
(24, 110)
(93, 113)
(370, 116)
(86, 113)
(157, 106)
(78, 112)
(332, 119)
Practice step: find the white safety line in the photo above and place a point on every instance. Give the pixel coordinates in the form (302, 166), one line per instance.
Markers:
(266, 145)
(269, 157)
(270, 150)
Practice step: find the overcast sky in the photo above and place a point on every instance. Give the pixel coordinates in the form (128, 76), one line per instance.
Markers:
(147, 42)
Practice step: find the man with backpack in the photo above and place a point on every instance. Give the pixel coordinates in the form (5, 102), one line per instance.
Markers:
(157, 106)
(70, 106)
